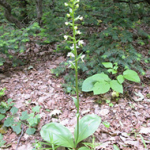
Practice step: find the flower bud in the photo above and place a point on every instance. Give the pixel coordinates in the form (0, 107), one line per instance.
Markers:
(81, 18)
(66, 4)
(81, 42)
(68, 15)
(75, 27)
(77, 6)
(65, 37)
(78, 32)
(66, 23)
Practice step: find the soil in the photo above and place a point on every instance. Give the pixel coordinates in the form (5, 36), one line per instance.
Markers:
(34, 84)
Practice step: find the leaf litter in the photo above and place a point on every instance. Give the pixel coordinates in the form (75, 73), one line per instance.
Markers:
(31, 86)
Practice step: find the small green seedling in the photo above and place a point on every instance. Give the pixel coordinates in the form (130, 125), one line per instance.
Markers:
(32, 120)
(143, 141)
(2, 92)
(4, 107)
(109, 102)
(101, 83)
(115, 147)
(89, 146)
(2, 142)
(106, 124)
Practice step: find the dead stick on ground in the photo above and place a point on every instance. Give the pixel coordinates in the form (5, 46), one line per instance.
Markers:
(20, 137)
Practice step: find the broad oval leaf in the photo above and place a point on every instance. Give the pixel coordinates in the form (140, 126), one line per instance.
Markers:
(101, 87)
(131, 76)
(107, 64)
(88, 83)
(120, 79)
(116, 86)
(57, 134)
(84, 148)
(87, 126)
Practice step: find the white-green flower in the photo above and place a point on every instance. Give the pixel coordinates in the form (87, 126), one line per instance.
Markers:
(80, 42)
(71, 64)
(82, 57)
(68, 15)
(70, 10)
(77, 6)
(70, 54)
(75, 27)
(66, 23)
(72, 47)
(78, 32)
(65, 37)
(66, 4)
(81, 18)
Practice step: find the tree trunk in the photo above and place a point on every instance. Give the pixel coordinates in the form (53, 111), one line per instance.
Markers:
(8, 14)
(148, 1)
(24, 14)
(39, 11)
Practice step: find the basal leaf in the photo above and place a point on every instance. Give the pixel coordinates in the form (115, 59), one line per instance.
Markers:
(87, 126)
(116, 86)
(57, 134)
(101, 87)
(84, 148)
(131, 76)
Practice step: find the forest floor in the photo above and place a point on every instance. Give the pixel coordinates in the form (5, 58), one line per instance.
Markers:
(34, 84)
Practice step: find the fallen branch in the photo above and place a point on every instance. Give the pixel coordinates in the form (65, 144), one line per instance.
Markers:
(22, 132)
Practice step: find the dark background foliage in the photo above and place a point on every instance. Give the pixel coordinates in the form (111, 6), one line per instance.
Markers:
(113, 30)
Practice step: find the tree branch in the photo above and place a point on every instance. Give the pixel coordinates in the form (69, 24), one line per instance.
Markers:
(8, 14)
(117, 1)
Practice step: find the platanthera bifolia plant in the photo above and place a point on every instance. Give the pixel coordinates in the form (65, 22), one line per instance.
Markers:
(54, 133)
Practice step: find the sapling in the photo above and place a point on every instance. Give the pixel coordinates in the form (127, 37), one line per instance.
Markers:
(55, 133)
(101, 83)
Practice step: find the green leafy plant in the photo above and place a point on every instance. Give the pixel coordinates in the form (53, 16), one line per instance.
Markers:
(2, 92)
(109, 102)
(90, 146)
(115, 147)
(106, 124)
(143, 141)
(15, 39)
(31, 119)
(4, 107)
(55, 133)
(101, 83)
(2, 142)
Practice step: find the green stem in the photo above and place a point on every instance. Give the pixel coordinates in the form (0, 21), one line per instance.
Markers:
(53, 147)
(76, 71)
